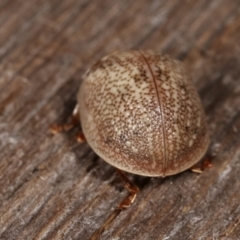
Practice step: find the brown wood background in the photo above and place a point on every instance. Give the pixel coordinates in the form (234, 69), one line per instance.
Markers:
(51, 187)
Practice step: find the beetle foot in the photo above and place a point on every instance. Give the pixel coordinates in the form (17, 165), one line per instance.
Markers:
(132, 189)
(200, 167)
(58, 128)
(80, 137)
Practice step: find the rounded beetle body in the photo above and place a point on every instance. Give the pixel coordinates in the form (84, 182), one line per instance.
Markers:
(142, 114)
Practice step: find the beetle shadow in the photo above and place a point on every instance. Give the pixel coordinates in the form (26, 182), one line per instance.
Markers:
(68, 97)
(101, 170)
(85, 156)
(140, 181)
(91, 163)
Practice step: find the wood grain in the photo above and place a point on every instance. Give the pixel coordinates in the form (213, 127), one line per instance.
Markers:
(51, 187)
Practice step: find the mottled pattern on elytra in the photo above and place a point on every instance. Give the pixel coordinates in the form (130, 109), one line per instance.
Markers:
(141, 113)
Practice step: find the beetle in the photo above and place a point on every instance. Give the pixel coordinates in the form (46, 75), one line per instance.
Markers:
(140, 112)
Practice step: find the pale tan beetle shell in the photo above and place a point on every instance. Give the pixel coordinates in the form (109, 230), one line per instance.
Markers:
(141, 113)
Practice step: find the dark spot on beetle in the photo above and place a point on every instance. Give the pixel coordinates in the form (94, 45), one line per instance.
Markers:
(175, 121)
(158, 73)
(135, 132)
(98, 64)
(108, 63)
(107, 140)
(182, 87)
(148, 124)
(195, 130)
(123, 138)
(137, 78)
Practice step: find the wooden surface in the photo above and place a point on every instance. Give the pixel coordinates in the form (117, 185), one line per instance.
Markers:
(51, 187)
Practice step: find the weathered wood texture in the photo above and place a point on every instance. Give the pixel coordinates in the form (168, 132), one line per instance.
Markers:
(51, 187)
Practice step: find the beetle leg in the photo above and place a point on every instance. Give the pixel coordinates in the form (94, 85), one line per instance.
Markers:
(80, 137)
(200, 167)
(132, 189)
(57, 128)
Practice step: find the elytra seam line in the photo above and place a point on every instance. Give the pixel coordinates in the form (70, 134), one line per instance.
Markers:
(162, 115)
